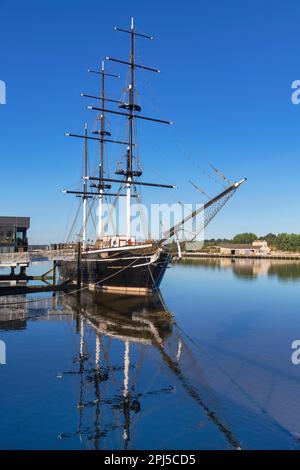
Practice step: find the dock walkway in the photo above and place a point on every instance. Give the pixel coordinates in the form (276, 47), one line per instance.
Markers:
(10, 260)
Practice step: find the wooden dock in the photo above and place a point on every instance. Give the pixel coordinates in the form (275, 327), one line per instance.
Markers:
(17, 283)
(25, 258)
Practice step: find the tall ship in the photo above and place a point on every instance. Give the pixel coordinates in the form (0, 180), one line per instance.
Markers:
(121, 262)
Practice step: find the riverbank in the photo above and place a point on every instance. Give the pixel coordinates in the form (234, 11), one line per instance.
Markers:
(272, 255)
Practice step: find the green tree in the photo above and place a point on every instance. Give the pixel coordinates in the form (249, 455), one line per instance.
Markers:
(244, 238)
(270, 238)
(288, 242)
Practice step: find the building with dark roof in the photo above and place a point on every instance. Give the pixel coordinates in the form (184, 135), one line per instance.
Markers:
(13, 234)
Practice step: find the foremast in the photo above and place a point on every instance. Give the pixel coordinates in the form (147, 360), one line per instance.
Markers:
(132, 108)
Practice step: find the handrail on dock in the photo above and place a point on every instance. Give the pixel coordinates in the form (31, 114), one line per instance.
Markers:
(19, 258)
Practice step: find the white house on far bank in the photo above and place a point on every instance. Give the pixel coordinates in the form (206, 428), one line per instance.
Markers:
(258, 247)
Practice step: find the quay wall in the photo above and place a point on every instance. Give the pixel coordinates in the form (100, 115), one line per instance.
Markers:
(272, 255)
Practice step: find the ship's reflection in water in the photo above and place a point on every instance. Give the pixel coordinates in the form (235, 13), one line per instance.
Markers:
(142, 321)
(284, 270)
(118, 382)
(101, 371)
(134, 321)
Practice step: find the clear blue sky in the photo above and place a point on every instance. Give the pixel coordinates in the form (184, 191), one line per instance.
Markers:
(227, 69)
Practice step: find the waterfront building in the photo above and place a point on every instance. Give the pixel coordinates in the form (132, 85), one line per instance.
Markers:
(258, 247)
(13, 234)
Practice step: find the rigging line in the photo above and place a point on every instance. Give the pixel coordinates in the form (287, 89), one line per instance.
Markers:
(137, 152)
(214, 179)
(172, 131)
(158, 291)
(189, 232)
(107, 167)
(92, 216)
(200, 190)
(184, 206)
(144, 223)
(212, 212)
(239, 387)
(91, 205)
(74, 222)
(219, 173)
(157, 151)
(112, 208)
(71, 209)
(194, 394)
(147, 81)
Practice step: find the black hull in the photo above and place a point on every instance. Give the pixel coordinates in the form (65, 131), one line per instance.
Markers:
(119, 271)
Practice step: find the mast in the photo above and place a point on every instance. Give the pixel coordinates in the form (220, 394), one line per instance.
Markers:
(84, 197)
(103, 134)
(131, 122)
(101, 167)
(132, 111)
(126, 397)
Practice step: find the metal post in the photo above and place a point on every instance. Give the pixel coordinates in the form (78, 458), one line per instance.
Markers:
(54, 276)
(54, 272)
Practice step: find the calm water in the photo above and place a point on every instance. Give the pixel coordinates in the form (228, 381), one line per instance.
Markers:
(207, 365)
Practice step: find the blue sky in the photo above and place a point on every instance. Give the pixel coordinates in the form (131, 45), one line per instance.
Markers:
(227, 69)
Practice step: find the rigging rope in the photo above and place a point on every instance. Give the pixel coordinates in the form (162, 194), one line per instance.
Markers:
(212, 211)
(72, 292)
(74, 222)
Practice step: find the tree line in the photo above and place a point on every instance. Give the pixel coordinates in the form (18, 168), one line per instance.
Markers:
(281, 241)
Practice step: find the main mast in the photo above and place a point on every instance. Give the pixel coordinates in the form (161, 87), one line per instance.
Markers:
(84, 197)
(131, 112)
(101, 166)
(131, 122)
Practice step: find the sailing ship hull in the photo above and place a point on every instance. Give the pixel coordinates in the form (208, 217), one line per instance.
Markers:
(118, 271)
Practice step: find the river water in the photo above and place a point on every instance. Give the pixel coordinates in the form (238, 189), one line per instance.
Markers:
(205, 364)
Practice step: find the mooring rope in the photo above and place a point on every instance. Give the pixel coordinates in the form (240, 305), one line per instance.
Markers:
(68, 293)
